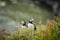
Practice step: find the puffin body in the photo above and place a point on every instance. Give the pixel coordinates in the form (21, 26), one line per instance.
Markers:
(23, 24)
(31, 25)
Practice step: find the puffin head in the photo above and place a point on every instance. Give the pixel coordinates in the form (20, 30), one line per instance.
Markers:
(31, 20)
(23, 23)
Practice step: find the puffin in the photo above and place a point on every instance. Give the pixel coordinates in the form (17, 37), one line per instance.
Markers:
(31, 24)
(23, 24)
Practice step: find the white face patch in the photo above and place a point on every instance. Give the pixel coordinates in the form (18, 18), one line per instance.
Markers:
(22, 22)
(32, 19)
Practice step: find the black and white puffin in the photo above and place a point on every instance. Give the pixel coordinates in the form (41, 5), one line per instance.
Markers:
(23, 24)
(31, 25)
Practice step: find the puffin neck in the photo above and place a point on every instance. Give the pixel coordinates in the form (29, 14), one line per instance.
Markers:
(30, 22)
(24, 24)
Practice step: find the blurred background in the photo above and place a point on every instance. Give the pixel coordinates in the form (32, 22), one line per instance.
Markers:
(13, 11)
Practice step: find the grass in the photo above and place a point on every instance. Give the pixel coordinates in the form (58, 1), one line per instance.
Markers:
(43, 32)
(13, 14)
(39, 34)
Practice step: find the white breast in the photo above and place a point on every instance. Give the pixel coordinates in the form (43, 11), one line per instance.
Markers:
(31, 26)
(23, 26)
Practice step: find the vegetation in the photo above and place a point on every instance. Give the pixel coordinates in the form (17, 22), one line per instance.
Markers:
(48, 32)
(10, 17)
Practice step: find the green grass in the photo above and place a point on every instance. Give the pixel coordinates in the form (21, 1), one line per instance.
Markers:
(13, 14)
(39, 34)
